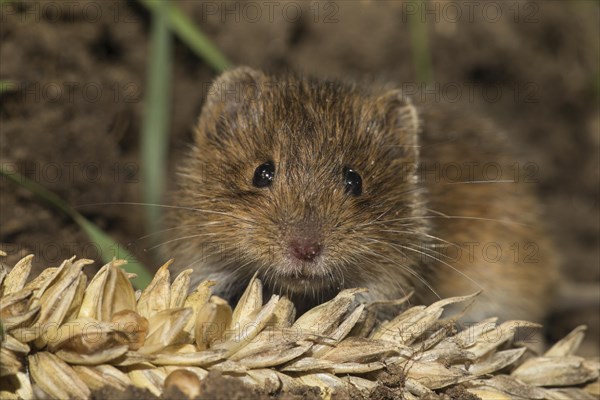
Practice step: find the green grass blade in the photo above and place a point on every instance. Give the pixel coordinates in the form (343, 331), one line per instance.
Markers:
(189, 33)
(7, 86)
(156, 118)
(38, 189)
(108, 247)
(420, 45)
(111, 249)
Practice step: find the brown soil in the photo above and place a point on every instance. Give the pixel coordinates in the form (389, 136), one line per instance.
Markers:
(73, 123)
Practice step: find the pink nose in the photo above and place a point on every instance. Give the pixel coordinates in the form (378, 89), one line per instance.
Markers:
(305, 249)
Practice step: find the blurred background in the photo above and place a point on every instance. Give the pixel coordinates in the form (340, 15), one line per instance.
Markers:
(98, 101)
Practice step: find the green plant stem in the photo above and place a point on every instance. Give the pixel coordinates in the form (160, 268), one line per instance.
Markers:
(189, 33)
(156, 118)
(7, 86)
(108, 247)
(420, 46)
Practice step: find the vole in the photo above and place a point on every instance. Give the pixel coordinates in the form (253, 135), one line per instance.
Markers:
(316, 186)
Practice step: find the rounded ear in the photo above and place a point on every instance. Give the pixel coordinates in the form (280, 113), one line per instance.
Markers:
(226, 95)
(401, 120)
(235, 86)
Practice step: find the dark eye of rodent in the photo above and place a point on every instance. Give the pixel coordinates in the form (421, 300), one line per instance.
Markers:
(352, 182)
(264, 175)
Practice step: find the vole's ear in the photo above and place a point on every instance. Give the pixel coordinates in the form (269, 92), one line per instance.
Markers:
(231, 91)
(401, 121)
(234, 87)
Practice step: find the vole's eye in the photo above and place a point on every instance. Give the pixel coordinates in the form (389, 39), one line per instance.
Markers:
(264, 175)
(352, 182)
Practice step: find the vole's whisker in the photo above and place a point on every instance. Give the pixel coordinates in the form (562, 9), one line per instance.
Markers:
(427, 246)
(194, 262)
(479, 182)
(425, 217)
(427, 235)
(182, 238)
(430, 236)
(383, 213)
(198, 225)
(131, 203)
(406, 268)
(503, 221)
(193, 209)
(444, 263)
(357, 214)
(239, 268)
(390, 278)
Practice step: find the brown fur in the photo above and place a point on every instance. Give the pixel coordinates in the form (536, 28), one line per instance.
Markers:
(395, 236)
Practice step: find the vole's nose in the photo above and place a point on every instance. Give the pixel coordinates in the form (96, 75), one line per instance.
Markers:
(305, 249)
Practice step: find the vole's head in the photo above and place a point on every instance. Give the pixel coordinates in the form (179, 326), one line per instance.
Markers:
(309, 183)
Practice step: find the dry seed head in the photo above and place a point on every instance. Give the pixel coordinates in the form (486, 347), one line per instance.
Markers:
(66, 337)
(132, 327)
(212, 320)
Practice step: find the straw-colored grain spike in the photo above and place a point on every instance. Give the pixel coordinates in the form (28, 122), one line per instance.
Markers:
(65, 337)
